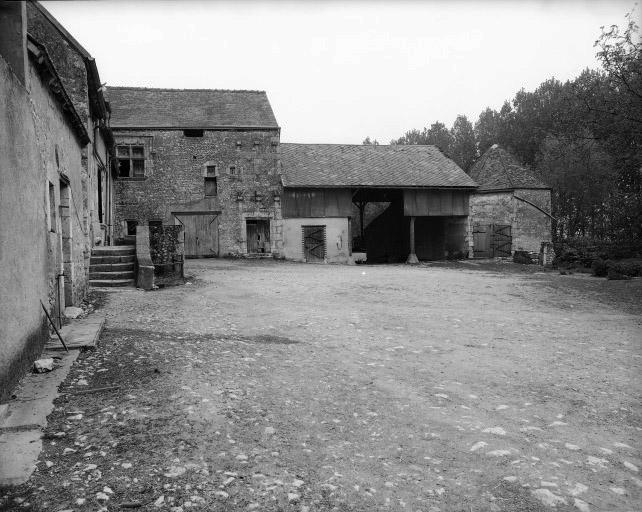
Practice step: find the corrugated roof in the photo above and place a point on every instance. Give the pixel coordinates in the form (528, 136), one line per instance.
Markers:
(343, 165)
(139, 107)
(497, 169)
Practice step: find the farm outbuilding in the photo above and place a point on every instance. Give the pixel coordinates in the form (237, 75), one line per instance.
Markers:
(424, 198)
(510, 210)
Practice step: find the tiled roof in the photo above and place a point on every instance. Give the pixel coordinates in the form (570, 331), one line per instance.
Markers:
(138, 107)
(497, 169)
(343, 165)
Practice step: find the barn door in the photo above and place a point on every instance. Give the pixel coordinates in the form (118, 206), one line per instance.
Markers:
(314, 243)
(201, 234)
(502, 240)
(492, 240)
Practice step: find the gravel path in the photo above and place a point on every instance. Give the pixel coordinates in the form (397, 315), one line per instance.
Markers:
(276, 386)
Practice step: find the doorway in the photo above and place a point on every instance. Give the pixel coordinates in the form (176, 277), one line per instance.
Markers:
(258, 236)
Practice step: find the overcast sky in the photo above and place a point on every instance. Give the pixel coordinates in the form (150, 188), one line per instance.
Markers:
(340, 71)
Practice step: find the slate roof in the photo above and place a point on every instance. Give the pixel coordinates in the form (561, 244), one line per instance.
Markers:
(139, 107)
(343, 165)
(497, 169)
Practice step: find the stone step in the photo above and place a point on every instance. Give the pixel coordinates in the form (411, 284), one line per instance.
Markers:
(110, 260)
(111, 275)
(111, 283)
(116, 250)
(111, 267)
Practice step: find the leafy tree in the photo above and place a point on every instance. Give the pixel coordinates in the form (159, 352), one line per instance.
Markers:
(463, 148)
(368, 142)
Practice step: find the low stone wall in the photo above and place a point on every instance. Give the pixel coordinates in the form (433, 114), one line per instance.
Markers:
(167, 251)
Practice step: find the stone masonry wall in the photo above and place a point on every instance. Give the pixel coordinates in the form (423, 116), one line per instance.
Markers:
(529, 226)
(174, 182)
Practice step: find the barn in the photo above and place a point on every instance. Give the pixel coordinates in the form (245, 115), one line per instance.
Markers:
(510, 210)
(424, 199)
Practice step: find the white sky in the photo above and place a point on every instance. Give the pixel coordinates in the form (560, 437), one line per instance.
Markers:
(338, 71)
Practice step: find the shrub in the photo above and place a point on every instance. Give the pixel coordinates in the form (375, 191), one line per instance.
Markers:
(600, 267)
(614, 275)
(628, 268)
(522, 257)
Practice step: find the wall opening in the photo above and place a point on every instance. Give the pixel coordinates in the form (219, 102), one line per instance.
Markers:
(193, 133)
(258, 235)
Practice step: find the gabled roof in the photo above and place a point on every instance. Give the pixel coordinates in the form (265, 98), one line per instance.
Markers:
(344, 165)
(139, 107)
(497, 169)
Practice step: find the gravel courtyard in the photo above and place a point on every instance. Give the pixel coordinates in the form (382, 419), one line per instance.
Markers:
(275, 386)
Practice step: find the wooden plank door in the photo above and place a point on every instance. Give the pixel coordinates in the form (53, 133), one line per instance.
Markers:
(482, 237)
(258, 236)
(502, 240)
(201, 234)
(314, 243)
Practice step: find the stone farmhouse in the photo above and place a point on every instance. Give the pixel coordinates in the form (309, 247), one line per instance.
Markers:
(88, 174)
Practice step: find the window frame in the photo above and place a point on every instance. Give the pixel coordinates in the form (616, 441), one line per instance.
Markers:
(131, 158)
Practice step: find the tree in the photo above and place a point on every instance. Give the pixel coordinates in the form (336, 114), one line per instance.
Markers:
(463, 148)
(368, 142)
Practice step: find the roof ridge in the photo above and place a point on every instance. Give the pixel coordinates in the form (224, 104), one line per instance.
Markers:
(181, 90)
(361, 145)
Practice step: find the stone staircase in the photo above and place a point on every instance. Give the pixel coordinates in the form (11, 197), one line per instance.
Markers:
(112, 265)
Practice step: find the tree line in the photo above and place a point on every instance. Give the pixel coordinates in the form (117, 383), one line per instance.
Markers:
(582, 137)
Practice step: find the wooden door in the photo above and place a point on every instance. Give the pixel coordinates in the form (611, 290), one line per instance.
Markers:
(314, 243)
(482, 237)
(201, 234)
(258, 236)
(502, 240)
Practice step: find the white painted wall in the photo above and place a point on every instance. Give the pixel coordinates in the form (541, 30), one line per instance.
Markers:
(337, 238)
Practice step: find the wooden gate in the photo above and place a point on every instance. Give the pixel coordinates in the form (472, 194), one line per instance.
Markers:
(201, 234)
(492, 240)
(314, 243)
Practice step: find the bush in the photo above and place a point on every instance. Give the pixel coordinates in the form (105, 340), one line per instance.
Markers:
(614, 275)
(522, 257)
(628, 268)
(600, 267)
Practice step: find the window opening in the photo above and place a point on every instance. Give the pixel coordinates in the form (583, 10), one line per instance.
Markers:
(193, 133)
(210, 186)
(131, 227)
(52, 208)
(131, 161)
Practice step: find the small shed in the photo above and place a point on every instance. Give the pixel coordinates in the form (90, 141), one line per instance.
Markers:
(510, 210)
(425, 196)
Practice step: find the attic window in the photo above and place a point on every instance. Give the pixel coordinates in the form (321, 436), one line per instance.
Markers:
(193, 133)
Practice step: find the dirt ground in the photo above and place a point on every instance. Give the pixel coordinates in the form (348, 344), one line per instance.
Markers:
(275, 386)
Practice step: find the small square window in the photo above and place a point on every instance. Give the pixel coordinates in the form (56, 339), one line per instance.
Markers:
(232, 170)
(210, 187)
(210, 170)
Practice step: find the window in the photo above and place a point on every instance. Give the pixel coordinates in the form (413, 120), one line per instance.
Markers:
(193, 133)
(233, 170)
(131, 227)
(210, 186)
(52, 208)
(131, 161)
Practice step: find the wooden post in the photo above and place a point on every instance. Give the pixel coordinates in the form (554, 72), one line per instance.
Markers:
(412, 257)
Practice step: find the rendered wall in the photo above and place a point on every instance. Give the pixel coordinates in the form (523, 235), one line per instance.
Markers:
(174, 182)
(32, 130)
(336, 233)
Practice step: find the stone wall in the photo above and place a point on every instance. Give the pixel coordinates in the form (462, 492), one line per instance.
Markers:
(174, 182)
(167, 252)
(529, 226)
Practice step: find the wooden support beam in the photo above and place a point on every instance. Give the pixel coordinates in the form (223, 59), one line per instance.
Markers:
(412, 257)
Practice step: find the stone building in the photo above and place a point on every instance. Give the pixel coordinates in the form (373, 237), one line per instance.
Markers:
(206, 159)
(48, 152)
(424, 196)
(511, 209)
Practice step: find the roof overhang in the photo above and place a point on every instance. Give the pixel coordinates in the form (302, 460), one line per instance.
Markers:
(211, 128)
